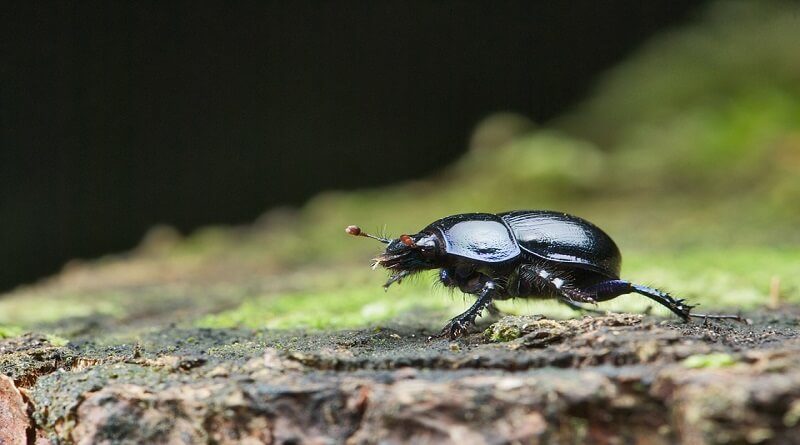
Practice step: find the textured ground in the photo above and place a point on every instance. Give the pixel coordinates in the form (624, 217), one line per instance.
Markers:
(687, 154)
(610, 379)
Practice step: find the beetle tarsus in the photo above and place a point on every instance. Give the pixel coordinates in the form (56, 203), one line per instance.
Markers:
(454, 329)
(579, 307)
(678, 306)
(738, 318)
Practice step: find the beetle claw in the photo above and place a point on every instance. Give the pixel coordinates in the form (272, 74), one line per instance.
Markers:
(707, 317)
(454, 329)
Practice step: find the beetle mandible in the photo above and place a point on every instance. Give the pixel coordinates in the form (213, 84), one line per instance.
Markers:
(521, 253)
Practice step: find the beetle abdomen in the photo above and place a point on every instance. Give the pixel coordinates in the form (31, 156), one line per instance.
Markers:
(564, 238)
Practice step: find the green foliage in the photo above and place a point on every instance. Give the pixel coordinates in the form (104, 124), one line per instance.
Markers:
(739, 49)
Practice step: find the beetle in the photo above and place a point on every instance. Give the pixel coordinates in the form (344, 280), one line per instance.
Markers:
(521, 253)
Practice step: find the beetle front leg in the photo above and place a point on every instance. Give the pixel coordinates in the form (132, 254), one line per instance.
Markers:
(458, 325)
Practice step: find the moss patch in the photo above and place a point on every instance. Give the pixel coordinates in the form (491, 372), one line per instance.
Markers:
(715, 360)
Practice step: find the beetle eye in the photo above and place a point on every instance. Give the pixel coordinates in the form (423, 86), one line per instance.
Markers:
(405, 239)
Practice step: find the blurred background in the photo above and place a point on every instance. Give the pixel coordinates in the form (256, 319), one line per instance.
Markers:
(209, 156)
(118, 116)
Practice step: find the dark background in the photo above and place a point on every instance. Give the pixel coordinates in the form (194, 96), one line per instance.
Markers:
(115, 116)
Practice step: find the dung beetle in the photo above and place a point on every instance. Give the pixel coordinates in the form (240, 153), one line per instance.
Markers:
(522, 253)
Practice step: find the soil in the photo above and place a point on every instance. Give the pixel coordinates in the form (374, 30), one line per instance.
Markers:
(597, 379)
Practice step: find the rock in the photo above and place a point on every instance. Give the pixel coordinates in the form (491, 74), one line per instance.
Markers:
(14, 422)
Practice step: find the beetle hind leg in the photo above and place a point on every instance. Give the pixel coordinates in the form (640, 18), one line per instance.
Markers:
(611, 289)
(681, 304)
(608, 290)
(678, 306)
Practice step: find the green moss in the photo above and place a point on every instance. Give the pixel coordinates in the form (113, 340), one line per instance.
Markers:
(341, 307)
(46, 307)
(10, 331)
(502, 333)
(715, 360)
(55, 340)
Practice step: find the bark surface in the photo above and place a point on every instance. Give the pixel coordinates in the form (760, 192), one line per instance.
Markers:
(605, 379)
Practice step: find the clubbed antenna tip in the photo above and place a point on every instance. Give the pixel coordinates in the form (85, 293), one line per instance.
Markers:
(356, 231)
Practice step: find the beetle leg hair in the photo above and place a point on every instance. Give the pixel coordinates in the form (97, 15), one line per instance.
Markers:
(538, 279)
(447, 278)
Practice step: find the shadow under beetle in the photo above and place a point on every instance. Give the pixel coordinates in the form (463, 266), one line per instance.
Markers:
(523, 253)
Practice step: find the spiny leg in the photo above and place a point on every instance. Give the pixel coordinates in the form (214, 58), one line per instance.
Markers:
(610, 289)
(614, 288)
(561, 286)
(458, 325)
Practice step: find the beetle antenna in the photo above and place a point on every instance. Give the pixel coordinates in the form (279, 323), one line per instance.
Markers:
(356, 231)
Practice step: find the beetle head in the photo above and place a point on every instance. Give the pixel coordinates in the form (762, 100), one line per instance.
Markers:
(409, 254)
(405, 255)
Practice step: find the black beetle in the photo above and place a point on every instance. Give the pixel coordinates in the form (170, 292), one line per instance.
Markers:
(523, 253)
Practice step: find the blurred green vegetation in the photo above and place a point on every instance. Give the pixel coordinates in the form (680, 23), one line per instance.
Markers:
(688, 154)
(714, 360)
